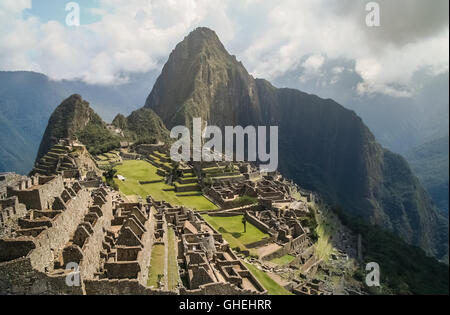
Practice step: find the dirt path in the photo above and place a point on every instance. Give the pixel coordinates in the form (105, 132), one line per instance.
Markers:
(268, 249)
(277, 279)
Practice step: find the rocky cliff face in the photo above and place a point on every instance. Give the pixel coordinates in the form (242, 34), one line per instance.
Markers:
(322, 145)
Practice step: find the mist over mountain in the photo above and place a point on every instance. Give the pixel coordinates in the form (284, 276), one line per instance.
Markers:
(323, 146)
(27, 100)
(430, 161)
(399, 123)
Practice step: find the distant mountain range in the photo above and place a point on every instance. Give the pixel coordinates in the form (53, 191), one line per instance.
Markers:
(398, 123)
(430, 162)
(27, 99)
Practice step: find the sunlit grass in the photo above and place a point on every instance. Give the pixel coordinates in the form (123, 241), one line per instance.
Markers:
(232, 230)
(156, 269)
(283, 260)
(327, 225)
(272, 287)
(137, 170)
(172, 268)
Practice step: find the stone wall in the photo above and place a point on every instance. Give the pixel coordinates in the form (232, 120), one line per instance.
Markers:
(42, 196)
(219, 288)
(10, 211)
(20, 278)
(52, 240)
(189, 188)
(91, 249)
(289, 247)
(261, 243)
(146, 252)
(93, 183)
(146, 149)
(121, 287)
(260, 225)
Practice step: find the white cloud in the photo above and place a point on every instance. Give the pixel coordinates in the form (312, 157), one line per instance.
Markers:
(271, 37)
(14, 6)
(133, 36)
(314, 63)
(385, 58)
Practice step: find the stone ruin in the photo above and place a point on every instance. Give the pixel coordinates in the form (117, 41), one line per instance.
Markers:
(273, 189)
(10, 211)
(57, 226)
(205, 258)
(68, 158)
(51, 210)
(269, 189)
(54, 229)
(311, 287)
(126, 243)
(287, 231)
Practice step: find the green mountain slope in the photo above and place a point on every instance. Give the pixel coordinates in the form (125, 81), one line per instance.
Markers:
(74, 118)
(430, 162)
(142, 125)
(322, 145)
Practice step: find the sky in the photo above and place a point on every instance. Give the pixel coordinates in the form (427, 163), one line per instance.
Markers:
(319, 41)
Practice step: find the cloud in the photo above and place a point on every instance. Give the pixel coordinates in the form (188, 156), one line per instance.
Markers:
(314, 63)
(14, 6)
(132, 36)
(402, 21)
(412, 35)
(18, 37)
(272, 38)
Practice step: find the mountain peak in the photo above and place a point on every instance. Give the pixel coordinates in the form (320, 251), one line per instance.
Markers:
(202, 33)
(73, 101)
(200, 43)
(71, 116)
(196, 81)
(202, 37)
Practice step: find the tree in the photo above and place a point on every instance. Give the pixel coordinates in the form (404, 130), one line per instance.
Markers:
(176, 172)
(244, 221)
(109, 175)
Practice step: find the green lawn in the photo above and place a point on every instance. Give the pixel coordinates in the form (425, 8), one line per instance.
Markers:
(172, 268)
(232, 230)
(136, 170)
(156, 265)
(267, 282)
(283, 260)
(327, 226)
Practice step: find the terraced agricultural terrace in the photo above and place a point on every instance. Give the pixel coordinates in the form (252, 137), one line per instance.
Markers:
(108, 159)
(57, 160)
(67, 158)
(142, 178)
